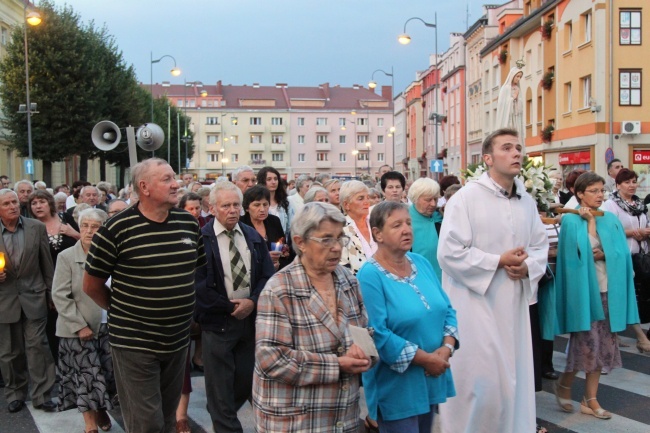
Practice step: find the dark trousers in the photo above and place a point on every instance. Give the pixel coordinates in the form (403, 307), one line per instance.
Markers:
(23, 349)
(228, 359)
(542, 349)
(149, 387)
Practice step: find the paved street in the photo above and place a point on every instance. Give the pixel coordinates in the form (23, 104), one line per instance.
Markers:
(625, 392)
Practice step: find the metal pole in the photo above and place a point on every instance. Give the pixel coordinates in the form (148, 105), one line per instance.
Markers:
(169, 132)
(29, 107)
(435, 18)
(392, 93)
(178, 128)
(151, 83)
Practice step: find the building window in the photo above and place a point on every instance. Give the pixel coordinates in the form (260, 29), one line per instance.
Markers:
(276, 121)
(322, 121)
(276, 139)
(341, 139)
(277, 157)
(301, 157)
(179, 103)
(212, 138)
(380, 139)
(234, 139)
(256, 121)
(256, 138)
(495, 73)
(568, 36)
(630, 27)
(321, 156)
(586, 25)
(256, 156)
(362, 121)
(362, 156)
(301, 139)
(321, 138)
(5, 34)
(362, 139)
(586, 90)
(629, 88)
(343, 157)
(380, 121)
(567, 97)
(341, 121)
(191, 103)
(301, 121)
(380, 157)
(211, 120)
(213, 157)
(234, 157)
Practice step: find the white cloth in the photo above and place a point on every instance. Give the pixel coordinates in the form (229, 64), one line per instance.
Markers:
(510, 109)
(493, 368)
(69, 202)
(224, 251)
(629, 222)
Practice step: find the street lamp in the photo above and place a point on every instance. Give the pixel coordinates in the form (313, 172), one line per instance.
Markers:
(223, 160)
(186, 137)
(355, 152)
(404, 39)
(368, 145)
(372, 84)
(175, 72)
(33, 19)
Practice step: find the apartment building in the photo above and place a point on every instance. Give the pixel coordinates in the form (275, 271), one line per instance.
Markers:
(400, 148)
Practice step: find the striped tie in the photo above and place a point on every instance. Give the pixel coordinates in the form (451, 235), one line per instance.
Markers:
(237, 268)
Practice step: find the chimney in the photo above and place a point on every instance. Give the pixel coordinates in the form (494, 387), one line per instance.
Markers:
(355, 86)
(387, 92)
(256, 85)
(326, 90)
(280, 85)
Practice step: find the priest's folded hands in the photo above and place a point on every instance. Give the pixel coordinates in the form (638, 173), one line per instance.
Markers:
(514, 262)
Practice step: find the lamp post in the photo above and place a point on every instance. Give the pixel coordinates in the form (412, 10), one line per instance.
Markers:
(33, 19)
(368, 146)
(355, 152)
(186, 137)
(223, 160)
(174, 71)
(405, 39)
(372, 84)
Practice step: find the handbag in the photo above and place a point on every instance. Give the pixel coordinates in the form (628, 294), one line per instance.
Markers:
(641, 263)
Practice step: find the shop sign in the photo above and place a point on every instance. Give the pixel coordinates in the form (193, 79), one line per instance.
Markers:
(583, 157)
(641, 156)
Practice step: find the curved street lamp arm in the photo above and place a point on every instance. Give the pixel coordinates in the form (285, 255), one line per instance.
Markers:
(382, 71)
(420, 19)
(166, 55)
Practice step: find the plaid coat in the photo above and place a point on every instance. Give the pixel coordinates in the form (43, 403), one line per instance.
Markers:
(297, 385)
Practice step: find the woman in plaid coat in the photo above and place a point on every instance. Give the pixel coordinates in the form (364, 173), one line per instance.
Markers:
(306, 365)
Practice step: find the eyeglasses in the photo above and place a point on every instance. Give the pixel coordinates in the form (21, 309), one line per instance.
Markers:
(330, 242)
(596, 191)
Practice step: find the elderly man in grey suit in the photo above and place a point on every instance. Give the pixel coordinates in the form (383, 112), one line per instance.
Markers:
(25, 286)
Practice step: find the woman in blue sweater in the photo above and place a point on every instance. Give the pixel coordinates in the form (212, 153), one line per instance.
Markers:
(415, 327)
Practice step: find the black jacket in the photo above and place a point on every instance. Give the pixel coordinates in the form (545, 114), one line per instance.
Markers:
(212, 304)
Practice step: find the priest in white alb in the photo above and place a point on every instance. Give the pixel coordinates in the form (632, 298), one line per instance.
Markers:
(492, 251)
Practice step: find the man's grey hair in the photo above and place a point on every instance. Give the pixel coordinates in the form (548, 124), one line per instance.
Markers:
(204, 191)
(115, 200)
(87, 187)
(310, 217)
(92, 214)
(5, 191)
(300, 181)
(310, 196)
(40, 185)
(240, 170)
(60, 196)
(224, 186)
(424, 186)
(351, 188)
(78, 209)
(24, 181)
(322, 178)
(141, 171)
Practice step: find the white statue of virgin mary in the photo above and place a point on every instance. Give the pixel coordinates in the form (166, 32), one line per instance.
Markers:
(510, 106)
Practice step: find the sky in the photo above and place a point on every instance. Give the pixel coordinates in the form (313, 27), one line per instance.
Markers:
(298, 42)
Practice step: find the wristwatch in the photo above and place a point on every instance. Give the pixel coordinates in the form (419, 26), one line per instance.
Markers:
(451, 349)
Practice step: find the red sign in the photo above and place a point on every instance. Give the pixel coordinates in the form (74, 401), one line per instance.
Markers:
(583, 157)
(641, 156)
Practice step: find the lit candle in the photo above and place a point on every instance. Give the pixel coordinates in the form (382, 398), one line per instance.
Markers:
(2, 262)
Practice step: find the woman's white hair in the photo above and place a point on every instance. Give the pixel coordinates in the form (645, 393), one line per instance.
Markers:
(92, 214)
(310, 217)
(424, 186)
(351, 188)
(310, 196)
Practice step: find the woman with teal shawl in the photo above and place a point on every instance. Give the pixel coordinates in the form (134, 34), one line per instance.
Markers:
(595, 295)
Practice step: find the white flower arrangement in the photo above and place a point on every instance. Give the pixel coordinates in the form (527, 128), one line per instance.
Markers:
(534, 176)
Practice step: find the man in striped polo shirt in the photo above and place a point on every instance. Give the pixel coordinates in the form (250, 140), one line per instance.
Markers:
(151, 251)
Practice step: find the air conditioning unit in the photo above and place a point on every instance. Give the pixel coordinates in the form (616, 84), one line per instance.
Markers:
(631, 127)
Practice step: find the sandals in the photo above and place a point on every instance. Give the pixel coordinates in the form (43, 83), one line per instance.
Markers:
(599, 413)
(183, 426)
(565, 404)
(370, 425)
(103, 420)
(540, 429)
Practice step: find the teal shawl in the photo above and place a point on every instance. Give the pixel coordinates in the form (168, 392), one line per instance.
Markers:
(577, 297)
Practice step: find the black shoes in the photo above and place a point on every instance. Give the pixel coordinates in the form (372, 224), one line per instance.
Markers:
(48, 406)
(551, 375)
(16, 406)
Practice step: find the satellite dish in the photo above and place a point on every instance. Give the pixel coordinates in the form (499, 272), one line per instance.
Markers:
(150, 137)
(106, 135)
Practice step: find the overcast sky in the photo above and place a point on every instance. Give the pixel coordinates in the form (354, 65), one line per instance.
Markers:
(299, 42)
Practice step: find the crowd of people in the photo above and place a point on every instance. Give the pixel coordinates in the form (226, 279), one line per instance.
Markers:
(293, 299)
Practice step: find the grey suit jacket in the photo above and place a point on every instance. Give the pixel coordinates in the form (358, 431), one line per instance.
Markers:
(26, 286)
(76, 309)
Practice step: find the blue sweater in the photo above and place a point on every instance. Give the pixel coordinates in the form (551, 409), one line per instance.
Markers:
(425, 237)
(398, 315)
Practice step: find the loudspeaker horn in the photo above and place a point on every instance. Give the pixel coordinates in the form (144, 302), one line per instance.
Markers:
(150, 137)
(106, 135)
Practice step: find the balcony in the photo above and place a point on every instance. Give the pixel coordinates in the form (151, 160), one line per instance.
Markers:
(278, 129)
(213, 165)
(323, 129)
(257, 162)
(323, 146)
(279, 164)
(278, 147)
(256, 128)
(362, 128)
(323, 164)
(257, 147)
(214, 147)
(361, 147)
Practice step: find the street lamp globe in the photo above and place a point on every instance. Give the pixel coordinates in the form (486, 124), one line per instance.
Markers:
(34, 18)
(175, 71)
(372, 84)
(404, 39)
(204, 93)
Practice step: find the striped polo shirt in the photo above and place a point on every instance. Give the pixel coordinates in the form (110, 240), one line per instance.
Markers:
(152, 289)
